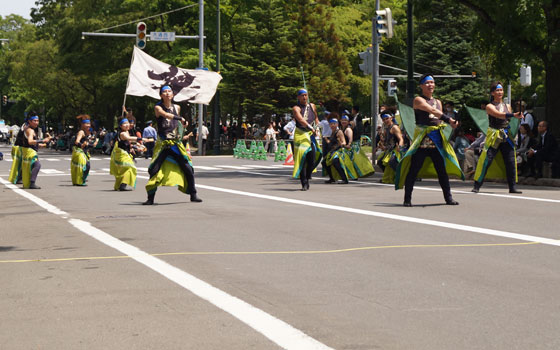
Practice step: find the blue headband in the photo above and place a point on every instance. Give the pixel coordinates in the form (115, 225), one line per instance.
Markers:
(124, 120)
(33, 117)
(165, 87)
(85, 121)
(344, 117)
(333, 121)
(385, 115)
(301, 92)
(499, 86)
(426, 79)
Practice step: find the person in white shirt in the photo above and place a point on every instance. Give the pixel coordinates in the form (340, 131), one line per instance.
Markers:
(204, 133)
(270, 137)
(527, 117)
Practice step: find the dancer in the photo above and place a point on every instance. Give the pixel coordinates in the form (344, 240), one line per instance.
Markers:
(335, 161)
(171, 165)
(30, 164)
(498, 139)
(392, 144)
(80, 164)
(307, 154)
(15, 171)
(429, 141)
(122, 163)
(361, 165)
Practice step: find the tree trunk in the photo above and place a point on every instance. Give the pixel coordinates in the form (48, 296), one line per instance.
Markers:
(552, 87)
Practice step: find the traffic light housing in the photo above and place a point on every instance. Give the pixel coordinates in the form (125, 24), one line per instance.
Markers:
(141, 36)
(4, 100)
(392, 87)
(385, 22)
(525, 75)
(367, 62)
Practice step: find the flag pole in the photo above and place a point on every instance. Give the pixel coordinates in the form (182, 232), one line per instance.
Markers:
(127, 82)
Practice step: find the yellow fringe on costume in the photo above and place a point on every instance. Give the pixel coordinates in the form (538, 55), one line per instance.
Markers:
(497, 169)
(428, 170)
(361, 162)
(15, 171)
(78, 166)
(28, 157)
(170, 174)
(303, 143)
(122, 167)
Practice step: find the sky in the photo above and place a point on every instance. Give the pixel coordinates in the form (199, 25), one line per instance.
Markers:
(18, 7)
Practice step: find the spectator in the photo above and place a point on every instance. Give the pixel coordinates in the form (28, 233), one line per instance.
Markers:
(204, 133)
(270, 137)
(149, 133)
(527, 117)
(461, 144)
(546, 150)
(290, 129)
(449, 110)
(525, 142)
(472, 153)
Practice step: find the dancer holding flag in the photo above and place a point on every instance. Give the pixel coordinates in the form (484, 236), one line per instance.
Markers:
(30, 164)
(498, 139)
(80, 164)
(429, 141)
(171, 165)
(307, 154)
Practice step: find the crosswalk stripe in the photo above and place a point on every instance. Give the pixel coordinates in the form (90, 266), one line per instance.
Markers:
(51, 171)
(234, 167)
(200, 167)
(52, 159)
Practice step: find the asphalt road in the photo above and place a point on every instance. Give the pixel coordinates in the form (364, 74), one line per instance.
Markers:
(262, 265)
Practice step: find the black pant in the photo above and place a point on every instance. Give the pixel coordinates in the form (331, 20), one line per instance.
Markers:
(416, 164)
(185, 168)
(149, 149)
(509, 160)
(337, 166)
(308, 165)
(35, 171)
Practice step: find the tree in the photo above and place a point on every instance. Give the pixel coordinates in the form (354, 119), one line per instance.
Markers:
(519, 31)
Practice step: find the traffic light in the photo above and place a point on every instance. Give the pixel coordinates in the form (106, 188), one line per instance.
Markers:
(392, 87)
(141, 35)
(385, 22)
(367, 62)
(4, 100)
(525, 75)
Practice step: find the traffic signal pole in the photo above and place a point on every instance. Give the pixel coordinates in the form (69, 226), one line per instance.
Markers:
(375, 39)
(200, 65)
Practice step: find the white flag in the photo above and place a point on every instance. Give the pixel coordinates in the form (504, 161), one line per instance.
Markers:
(147, 75)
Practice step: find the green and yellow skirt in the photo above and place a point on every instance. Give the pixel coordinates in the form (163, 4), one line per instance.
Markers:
(78, 166)
(122, 167)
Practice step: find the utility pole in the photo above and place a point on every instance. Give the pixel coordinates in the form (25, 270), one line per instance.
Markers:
(200, 66)
(410, 51)
(375, 40)
(217, 96)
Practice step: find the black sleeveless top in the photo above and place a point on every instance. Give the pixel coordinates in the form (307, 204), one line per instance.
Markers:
(310, 115)
(26, 142)
(425, 118)
(19, 138)
(497, 123)
(167, 128)
(390, 139)
(124, 145)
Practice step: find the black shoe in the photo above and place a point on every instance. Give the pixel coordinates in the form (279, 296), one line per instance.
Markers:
(451, 202)
(514, 190)
(150, 200)
(475, 190)
(19, 182)
(330, 181)
(307, 186)
(344, 182)
(407, 204)
(194, 198)
(34, 187)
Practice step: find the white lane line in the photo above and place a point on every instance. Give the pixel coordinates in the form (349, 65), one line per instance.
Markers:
(105, 169)
(234, 167)
(414, 220)
(433, 189)
(106, 158)
(52, 159)
(142, 169)
(260, 166)
(51, 171)
(200, 167)
(94, 158)
(271, 327)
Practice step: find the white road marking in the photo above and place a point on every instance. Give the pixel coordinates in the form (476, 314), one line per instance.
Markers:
(141, 169)
(260, 166)
(51, 171)
(200, 167)
(234, 167)
(52, 159)
(414, 220)
(271, 327)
